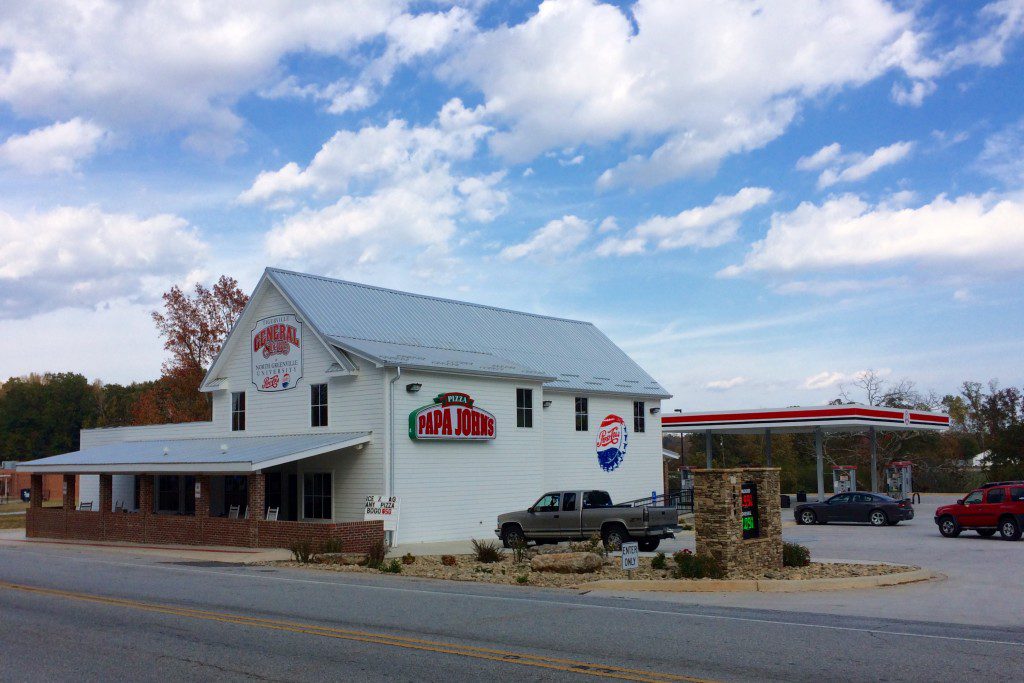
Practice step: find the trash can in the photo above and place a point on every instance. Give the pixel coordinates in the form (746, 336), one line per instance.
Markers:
(801, 496)
(26, 495)
(785, 500)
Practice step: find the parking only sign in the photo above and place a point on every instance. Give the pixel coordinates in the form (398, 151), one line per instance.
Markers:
(630, 556)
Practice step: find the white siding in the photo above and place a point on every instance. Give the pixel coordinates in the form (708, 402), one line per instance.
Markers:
(454, 490)
(122, 489)
(572, 456)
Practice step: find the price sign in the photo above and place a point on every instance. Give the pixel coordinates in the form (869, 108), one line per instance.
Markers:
(384, 508)
(630, 555)
(748, 505)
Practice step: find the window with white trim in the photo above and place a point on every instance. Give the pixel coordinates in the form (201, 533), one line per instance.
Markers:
(318, 405)
(524, 408)
(639, 422)
(581, 414)
(316, 495)
(238, 411)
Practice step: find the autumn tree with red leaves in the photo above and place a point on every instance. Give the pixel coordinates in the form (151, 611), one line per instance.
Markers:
(194, 326)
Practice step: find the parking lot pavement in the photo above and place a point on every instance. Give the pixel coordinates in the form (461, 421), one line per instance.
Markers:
(982, 584)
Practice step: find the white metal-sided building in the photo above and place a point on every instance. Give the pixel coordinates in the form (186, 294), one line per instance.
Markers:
(330, 392)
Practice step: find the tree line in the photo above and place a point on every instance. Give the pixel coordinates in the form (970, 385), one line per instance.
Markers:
(42, 414)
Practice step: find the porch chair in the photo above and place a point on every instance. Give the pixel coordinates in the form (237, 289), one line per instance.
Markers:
(233, 512)
(245, 515)
(119, 506)
(272, 514)
(85, 507)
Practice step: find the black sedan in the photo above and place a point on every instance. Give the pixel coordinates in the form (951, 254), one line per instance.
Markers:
(859, 506)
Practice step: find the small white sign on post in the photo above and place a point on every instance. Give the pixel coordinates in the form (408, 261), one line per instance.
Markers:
(630, 556)
(384, 508)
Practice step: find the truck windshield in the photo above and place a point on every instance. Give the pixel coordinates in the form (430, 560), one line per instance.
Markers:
(596, 499)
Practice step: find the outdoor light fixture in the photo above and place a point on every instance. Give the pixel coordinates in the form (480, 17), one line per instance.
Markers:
(678, 410)
(413, 388)
(655, 411)
(547, 404)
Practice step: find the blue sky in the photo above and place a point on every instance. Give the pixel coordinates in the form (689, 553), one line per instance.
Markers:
(757, 200)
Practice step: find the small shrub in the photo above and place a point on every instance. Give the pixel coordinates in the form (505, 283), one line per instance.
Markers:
(519, 552)
(795, 555)
(302, 551)
(408, 558)
(486, 551)
(448, 560)
(659, 561)
(690, 566)
(391, 567)
(522, 578)
(377, 552)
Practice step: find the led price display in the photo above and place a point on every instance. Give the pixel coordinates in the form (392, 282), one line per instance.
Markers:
(748, 506)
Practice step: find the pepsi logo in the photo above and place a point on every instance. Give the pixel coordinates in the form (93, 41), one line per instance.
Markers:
(611, 443)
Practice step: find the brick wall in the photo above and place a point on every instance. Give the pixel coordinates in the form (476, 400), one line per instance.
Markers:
(198, 530)
(718, 522)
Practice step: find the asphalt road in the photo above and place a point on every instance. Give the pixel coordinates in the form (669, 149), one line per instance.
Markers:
(83, 614)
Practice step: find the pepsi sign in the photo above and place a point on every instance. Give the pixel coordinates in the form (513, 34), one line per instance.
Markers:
(611, 443)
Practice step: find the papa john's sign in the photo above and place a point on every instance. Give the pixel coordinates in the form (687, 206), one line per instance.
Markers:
(276, 348)
(451, 417)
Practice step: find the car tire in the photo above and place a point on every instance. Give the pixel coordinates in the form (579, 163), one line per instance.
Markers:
(878, 518)
(986, 533)
(949, 527)
(512, 535)
(808, 517)
(648, 545)
(614, 535)
(1009, 529)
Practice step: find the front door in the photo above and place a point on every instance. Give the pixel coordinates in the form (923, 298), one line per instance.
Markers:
(839, 508)
(546, 518)
(972, 512)
(570, 517)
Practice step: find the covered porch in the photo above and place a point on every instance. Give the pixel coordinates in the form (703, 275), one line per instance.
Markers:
(241, 491)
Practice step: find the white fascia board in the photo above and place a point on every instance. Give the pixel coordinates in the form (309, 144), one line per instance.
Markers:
(624, 393)
(169, 467)
(302, 455)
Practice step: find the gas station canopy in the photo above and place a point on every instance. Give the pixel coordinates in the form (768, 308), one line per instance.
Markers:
(815, 419)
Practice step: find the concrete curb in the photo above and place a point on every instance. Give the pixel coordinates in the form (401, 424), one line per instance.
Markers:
(762, 585)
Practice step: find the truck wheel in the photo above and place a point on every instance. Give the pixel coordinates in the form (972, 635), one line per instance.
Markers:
(986, 533)
(1009, 529)
(648, 545)
(512, 535)
(948, 527)
(614, 536)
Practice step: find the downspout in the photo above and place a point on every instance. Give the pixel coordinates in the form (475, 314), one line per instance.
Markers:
(391, 441)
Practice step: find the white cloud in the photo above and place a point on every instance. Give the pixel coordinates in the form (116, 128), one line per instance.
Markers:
(1003, 155)
(725, 384)
(701, 227)
(825, 156)
(914, 94)
(559, 237)
(81, 256)
(58, 148)
(391, 192)
(824, 380)
(167, 65)
(848, 168)
(704, 78)
(984, 231)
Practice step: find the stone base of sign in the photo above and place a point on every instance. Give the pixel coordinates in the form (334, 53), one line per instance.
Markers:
(718, 518)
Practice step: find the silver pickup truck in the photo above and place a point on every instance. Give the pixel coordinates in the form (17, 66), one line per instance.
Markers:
(574, 515)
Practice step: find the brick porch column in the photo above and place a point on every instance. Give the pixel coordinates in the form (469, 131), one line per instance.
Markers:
(68, 487)
(106, 493)
(257, 495)
(146, 494)
(36, 489)
(203, 501)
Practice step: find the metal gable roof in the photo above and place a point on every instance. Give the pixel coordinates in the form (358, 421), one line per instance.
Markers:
(220, 454)
(399, 328)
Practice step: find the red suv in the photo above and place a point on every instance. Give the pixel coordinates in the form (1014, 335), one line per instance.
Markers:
(996, 506)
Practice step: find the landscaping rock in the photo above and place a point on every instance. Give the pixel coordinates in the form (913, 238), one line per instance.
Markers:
(567, 563)
(344, 558)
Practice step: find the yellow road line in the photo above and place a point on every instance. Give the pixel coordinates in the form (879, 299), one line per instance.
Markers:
(568, 665)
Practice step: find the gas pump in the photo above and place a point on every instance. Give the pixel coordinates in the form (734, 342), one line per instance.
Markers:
(898, 482)
(844, 478)
(686, 477)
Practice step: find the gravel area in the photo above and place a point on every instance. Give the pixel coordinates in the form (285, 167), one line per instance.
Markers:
(507, 571)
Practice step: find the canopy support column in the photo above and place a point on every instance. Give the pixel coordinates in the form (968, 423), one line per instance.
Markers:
(820, 455)
(873, 437)
(768, 448)
(707, 447)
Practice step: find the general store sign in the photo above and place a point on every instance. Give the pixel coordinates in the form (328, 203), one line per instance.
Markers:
(384, 508)
(276, 348)
(451, 417)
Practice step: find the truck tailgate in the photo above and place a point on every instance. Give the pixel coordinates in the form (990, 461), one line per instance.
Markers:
(662, 516)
